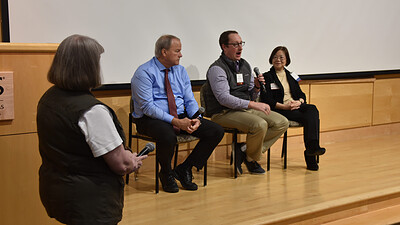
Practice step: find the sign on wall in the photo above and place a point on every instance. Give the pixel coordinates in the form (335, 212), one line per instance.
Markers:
(6, 96)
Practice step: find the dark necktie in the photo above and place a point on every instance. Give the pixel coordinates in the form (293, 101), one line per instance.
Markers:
(171, 100)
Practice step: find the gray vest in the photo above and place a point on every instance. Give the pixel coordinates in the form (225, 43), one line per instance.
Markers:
(241, 91)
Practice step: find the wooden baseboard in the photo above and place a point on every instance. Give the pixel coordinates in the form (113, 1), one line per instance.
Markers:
(341, 208)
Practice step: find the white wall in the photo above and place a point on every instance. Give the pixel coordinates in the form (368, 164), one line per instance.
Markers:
(322, 36)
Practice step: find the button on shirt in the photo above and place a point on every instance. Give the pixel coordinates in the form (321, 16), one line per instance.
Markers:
(149, 94)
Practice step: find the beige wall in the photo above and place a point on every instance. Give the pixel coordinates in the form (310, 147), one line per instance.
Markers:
(343, 104)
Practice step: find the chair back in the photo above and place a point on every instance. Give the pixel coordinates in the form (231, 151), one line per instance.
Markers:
(203, 98)
(131, 106)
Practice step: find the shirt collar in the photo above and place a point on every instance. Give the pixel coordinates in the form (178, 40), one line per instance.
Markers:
(160, 66)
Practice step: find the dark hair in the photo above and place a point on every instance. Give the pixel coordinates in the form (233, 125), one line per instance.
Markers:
(163, 42)
(284, 49)
(224, 37)
(76, 64)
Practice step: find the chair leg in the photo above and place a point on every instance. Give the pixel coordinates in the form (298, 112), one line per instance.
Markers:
(157, 178)
(268, 158)
(231, 158)
(176, 156)
(234, 137)
(284, 144)
(317, 158)
(130, 131)
(205, 174)
(284, 150)
(285, 161)
(136, 173)
(129, 144)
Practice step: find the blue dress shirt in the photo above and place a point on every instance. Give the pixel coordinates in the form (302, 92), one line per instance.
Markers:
(149, 94)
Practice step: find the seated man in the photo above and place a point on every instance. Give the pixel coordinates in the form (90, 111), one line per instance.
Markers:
(230, 92)
(164, 105)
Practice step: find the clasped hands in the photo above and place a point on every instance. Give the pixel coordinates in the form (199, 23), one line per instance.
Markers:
(293, 105)
(186, 124)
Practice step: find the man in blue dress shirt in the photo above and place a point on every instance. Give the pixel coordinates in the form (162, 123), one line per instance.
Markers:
(153, 116)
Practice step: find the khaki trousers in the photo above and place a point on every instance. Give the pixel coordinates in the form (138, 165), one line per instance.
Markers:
(262, 130)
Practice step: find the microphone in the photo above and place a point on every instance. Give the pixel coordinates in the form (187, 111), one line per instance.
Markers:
(198, 113)
(257, 72)
(147, 149)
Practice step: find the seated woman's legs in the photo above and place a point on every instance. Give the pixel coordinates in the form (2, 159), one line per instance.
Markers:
(308, 116)
(311, 130)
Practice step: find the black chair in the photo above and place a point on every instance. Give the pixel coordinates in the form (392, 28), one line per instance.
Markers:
(233, 131)
(182, 138)
(284, 146)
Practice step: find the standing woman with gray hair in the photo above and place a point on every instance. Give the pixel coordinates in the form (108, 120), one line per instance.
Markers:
(81, 141)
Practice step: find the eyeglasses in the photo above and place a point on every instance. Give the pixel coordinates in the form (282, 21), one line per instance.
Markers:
(236, 45)
(280, 58)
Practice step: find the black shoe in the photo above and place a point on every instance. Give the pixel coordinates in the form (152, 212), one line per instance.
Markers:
(185, 177)
(253, 167)
(168, 183)
(239, 157)
(318, 151)
(311, 162)
(313, 148)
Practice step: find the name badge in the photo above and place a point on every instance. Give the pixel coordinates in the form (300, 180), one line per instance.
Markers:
(274, 86)
(239, 78)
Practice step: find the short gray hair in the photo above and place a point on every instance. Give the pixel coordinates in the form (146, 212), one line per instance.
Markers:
(163, 42)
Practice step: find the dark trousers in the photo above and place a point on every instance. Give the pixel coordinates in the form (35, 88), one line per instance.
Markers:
(307, 115)
(209, 133)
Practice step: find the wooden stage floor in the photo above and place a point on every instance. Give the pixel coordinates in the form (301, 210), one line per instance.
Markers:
(357, 175)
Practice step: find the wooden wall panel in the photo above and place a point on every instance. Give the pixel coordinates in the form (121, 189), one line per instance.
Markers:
(386, 101)
(30, 82)
(19, 190)
(19, 154)
(343, 105)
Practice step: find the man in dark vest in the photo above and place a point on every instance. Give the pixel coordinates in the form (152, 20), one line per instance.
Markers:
(230, 95)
